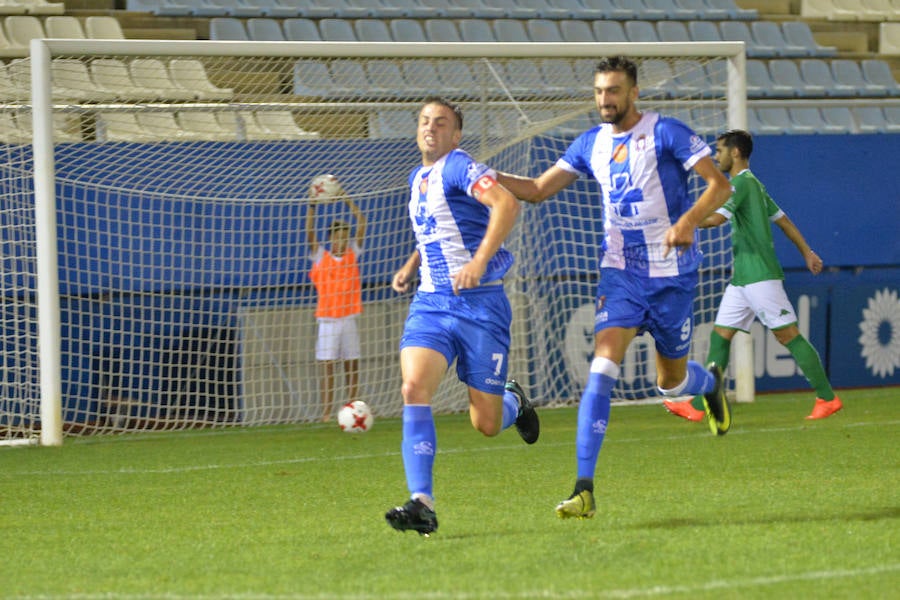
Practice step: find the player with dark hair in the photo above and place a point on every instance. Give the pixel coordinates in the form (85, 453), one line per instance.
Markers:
(460, 217)
(649, 265)
(756, 290)
(335, 274)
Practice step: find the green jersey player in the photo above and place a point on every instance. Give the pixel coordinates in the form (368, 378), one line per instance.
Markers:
(756, 289)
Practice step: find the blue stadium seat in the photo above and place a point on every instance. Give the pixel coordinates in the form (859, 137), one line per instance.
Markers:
(512, 9)
(692, 79)
(524, 78)
(559, 74)
(616, 9)
(672, 31)
(839, 116)
(734, 11)
(476, 30)
(276, 10)
(768, 34)
(576, 31)
(510, 30)
(760, 83)
(414, 9)
(704, 31)
(816, 71)
(869, 119)
(333, 9)
(655, 78)
(671, 10)
(301, 30)
(785, 74)
(337, 30)
(798, 33)
(878, 71)
(381, 10)
(350, 76)
(739, 31)
(457, 78)
(808, 119)
(423, 74)
(542, 9)
(848, 72)
(650, 10)
(774, 119)
(265, 30)
(394, 123)
(544, 30)
(892, 118)
(609, 31)
(578, 10)
(442, 30)
(372, 30)
(312, 78)
(641, 31)
(407, 30)
(227, 28)
(388, 77)
(703, 10)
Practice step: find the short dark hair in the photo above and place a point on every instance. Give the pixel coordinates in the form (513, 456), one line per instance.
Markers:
(618, 63)
(738, 138)
(457, 110)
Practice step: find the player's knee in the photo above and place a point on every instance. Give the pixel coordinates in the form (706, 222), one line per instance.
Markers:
(414, 393)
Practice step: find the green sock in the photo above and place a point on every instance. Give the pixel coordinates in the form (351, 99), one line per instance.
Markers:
(808, 360)
(719, 352)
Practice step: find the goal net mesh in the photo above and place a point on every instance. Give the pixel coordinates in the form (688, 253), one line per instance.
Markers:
(182, 190)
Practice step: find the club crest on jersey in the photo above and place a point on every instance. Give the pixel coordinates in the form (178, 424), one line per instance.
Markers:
(620, 153)
(697, 144)
(423, 186)
(641, 143)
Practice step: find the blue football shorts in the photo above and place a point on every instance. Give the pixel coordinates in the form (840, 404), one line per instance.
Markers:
(472, 328)
(663, 306)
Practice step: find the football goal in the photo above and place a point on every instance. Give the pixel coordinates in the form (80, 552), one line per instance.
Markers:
(155, 241)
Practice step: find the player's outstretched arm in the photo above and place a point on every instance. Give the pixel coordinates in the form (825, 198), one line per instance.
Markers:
(311, 227)
(361, 221)
(537, 189)
(813, 262)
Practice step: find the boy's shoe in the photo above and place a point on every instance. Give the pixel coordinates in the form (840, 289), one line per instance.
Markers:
(718, 412)
(825, 408)
(580, 505)
(684, 410)
(412, 515)
(527, 423)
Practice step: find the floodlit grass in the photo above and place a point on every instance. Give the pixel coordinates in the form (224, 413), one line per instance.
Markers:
(778, 508)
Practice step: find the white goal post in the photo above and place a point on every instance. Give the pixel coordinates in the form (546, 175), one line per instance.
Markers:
(170, 266)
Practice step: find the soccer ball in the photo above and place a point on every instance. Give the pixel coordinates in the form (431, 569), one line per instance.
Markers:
(325, 188)
(355, 417)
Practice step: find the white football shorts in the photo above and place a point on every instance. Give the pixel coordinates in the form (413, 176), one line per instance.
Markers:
(338, 339)
(763, 300)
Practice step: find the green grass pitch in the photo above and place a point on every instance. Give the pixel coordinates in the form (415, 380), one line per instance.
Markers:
(778, 508)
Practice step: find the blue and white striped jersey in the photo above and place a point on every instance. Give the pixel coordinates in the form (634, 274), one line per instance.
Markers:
(644, 174)
(448, 222)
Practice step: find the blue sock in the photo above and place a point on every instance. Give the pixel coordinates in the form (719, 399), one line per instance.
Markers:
(418, 448)
(699, 380)
(593, 415)
(510, 409)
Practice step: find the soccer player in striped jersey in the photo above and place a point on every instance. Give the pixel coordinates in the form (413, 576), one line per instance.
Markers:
(335, 275)
(460, 217)
(756, 290)
(649, 265)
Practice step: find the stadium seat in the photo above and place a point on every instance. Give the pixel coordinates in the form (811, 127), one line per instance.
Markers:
(656, 78)
(231, 8)
(442, 30)
(523, 77)
(389, 77)
(72, 81)
(10, 90)
(808, 119)
(103, 27)
(163, 8)
(641, 31)
(672, 31)
(227, 28)
(757, 127)
(312, 78)
(839, 116)
(847, 72)
(775, 119)
(734, 11)
(542, 9)
(425, 75)
(760, 83)
(244, 125)
(381, 10)
(111, 76)
(276, 10)
(510, 30)
(407, 30)
(576, 31)
(43, 7)
(798, 33)
(768, 34)
(816, 71)
(578, 10)
(10, 132)
(476, 30)
(264, 29)
(164, 126)
(372, 30)
(151, 73)
(64, 27)
(853, 10)
(512, 9)
(879, 72)
(786, 76)
(21, 29)
(457, 77)
(892, 118)
(609, 31)
(190, 74)
(301, 30)
(337, 30)
(869, 119)
(740, 32)
(350, 77)
(121, 127)
(204, 126)
(888, 10)
(393, 123)
(704, 31)
(815, 9)
(667, 9)
(281, 125)
(692, 79)
(333, 9)
(704, 10)
(543, 30)
(559, 74)
(614, 9)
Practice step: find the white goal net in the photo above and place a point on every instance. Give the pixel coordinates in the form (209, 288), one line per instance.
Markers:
(160, 250)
